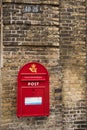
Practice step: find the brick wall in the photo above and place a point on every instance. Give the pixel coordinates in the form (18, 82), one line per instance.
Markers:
(73, 60)
(86, 56)
(27, 37)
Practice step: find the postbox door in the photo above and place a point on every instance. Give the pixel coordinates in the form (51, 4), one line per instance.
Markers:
(32, 101)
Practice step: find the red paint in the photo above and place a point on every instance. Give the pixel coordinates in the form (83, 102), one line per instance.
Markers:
(33, 90)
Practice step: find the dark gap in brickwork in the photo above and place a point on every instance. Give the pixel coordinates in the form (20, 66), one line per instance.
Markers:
(37, 46)
(30, 4)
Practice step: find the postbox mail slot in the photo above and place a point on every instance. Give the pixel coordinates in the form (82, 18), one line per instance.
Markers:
(33, 79)
(33, 74)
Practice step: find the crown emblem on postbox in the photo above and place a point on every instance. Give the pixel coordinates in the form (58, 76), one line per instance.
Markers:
(33, 68)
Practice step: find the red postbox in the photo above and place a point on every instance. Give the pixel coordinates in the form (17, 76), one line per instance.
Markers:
(33, 90)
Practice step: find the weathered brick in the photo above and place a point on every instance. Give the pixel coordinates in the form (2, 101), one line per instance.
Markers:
(73, 58)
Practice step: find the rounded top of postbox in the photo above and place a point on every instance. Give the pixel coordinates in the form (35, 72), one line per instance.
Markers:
(33, 68)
